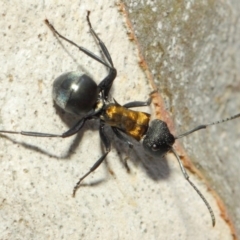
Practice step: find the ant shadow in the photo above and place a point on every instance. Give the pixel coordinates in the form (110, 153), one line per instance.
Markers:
(155, 168)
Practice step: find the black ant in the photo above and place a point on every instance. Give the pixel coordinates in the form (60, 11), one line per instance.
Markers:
(78, 93)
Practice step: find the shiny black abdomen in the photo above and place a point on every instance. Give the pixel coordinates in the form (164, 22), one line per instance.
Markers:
(75, 92)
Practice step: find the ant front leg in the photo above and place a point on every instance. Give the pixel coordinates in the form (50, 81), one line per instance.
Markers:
(107, 144)
(138, 103)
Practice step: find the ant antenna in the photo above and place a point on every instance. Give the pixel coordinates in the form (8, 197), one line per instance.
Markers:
(186, 176)
(206, 125)
(183, 169)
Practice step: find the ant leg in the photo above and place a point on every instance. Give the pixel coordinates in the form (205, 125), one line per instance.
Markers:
(106, 84)
(73, 130)
(121, 137)
(107, 145)
(138, 104)
(124, 139)
(87, 52)
(100, 42)
(195, 188)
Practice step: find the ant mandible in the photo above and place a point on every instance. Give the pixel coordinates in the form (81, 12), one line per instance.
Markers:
(77, 93)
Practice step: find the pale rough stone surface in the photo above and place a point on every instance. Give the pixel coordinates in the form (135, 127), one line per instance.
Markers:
(37, 175)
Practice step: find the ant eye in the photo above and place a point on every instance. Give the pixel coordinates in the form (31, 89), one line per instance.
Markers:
(155, 147)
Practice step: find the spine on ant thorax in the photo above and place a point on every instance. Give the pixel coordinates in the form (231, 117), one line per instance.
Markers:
(133, 123)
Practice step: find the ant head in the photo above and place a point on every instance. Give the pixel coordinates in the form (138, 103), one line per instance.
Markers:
(158, 140)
